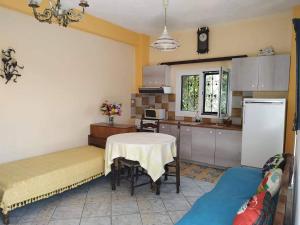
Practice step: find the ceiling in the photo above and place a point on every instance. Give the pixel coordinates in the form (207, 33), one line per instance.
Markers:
(146, 16)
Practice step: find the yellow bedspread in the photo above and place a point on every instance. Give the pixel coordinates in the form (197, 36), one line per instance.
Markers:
(29, 180)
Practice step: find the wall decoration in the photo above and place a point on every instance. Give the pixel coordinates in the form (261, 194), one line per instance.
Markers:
(202, 40)
(11, 68)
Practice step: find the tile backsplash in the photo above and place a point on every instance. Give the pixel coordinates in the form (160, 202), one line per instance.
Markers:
(139, 102)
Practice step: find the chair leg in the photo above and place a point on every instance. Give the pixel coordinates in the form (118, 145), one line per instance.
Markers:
(132, 180)
(177, 175)
(5, 218)
(113, 175)
(166, 172)
(118, 173)
(137, 174)
(158, 183)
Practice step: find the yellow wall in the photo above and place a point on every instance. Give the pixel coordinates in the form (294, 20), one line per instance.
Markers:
(101, 28)
(290, 134)
(234, 38)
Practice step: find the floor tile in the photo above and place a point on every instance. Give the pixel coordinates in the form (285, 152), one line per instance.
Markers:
(124, 207)
(65, 222)
(177, 215)
(74, 198)
(192, 199)
(133, 219)
(96, 221)
(156, 219)
(35, 223)
(151, 205)
(68, 212)
(97, 209)
(176, 204)
(95, 197)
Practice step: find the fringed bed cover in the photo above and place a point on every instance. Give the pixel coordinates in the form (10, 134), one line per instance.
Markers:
(29, 180)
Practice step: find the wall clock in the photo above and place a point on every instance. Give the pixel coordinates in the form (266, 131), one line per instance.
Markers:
(202, 40)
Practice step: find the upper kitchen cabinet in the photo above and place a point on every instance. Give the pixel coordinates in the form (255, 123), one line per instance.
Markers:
(244, 75)
(274, 73)
(264, 73)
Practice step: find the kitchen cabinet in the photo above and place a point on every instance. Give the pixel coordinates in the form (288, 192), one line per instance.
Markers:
(186, 143)
(219, 147)
(244, 75)
(264, 73)
(203, 145)
(228, 148)
(274, 73)
(168, 129)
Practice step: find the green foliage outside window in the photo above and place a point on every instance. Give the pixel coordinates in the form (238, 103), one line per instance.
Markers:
(190, 93)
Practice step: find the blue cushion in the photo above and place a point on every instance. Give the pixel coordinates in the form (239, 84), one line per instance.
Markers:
(220, 206)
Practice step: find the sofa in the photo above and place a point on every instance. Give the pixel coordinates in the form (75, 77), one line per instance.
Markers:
(219, 207)
(236, 186)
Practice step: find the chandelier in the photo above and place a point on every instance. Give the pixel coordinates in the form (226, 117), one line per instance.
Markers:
(165, 42)
(57, 12)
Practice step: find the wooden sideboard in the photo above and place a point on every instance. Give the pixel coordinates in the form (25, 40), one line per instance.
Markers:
(99, 132)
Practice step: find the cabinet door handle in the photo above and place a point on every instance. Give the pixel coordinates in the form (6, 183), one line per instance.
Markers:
(210, 132)
(253, 85)
(187, 129)
(220, 133)
(163, 127)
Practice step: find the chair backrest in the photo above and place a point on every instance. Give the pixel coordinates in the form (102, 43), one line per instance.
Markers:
(149, 125)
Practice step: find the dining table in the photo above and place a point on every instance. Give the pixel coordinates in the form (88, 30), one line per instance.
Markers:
(152, 150)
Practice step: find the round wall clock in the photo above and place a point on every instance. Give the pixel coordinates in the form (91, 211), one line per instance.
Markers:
(202, 40)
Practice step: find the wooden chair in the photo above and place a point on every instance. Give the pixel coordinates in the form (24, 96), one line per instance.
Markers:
(175, 164)
(134, 168)
(149, 125)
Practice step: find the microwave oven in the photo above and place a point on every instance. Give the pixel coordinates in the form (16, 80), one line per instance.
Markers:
(157, 114)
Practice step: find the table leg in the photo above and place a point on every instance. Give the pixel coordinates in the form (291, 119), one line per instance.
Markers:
(158, 183)
(113, 175)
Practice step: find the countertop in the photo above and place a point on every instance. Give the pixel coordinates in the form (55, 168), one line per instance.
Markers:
(205, 125)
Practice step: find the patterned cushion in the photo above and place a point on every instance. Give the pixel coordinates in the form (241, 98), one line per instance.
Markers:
(271, 182)
(274, 162)
(258, 210)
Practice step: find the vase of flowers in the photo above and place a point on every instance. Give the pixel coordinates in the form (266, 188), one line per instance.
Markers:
(110, 110)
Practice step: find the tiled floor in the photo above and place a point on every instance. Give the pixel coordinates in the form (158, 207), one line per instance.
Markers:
(96, 204)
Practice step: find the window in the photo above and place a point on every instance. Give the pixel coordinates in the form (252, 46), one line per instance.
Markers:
(189, 93)
(203, 91)
(211, 94)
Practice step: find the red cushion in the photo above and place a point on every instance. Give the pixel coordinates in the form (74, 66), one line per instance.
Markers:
(258, 210)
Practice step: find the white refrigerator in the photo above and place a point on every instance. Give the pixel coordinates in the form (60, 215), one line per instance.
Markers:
(263, 130)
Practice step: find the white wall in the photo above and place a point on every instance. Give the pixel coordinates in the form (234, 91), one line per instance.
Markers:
(67, 75)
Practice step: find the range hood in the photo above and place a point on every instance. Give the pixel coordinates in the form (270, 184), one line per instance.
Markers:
(156, 79)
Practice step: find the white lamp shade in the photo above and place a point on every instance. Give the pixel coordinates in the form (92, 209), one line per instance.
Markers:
(165, 42)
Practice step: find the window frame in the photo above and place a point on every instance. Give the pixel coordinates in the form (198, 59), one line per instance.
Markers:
(205, 73)
(200, 72)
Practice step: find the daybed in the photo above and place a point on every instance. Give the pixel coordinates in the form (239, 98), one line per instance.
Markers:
(29, 180)
(236, 186)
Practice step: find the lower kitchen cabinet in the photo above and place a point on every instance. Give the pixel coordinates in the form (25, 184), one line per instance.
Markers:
(186, 143)
(203, 145)
(228, 148)
(212, 146)
(168, 129)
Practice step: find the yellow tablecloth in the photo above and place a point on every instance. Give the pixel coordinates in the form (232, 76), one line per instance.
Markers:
(152, 150)
(29, 180)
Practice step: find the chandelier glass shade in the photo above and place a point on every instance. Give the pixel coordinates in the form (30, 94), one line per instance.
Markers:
(165, 42)
(57, 12)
